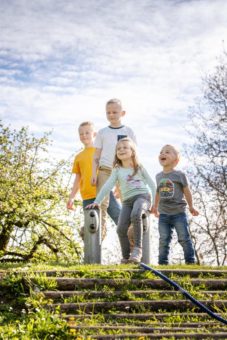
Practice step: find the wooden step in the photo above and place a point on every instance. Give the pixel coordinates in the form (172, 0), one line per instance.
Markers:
(167, 272)
(154, 305)
(64, 283)
(171, 336)
(54, 295)
(162, 325)
(153, 317)
(151, 330)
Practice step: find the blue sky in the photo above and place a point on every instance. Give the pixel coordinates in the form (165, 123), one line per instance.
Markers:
(60, 61)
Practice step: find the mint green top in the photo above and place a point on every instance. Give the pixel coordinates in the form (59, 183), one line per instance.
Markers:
(130, 186)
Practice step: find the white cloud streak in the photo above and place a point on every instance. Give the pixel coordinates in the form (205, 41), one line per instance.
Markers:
(62, 60)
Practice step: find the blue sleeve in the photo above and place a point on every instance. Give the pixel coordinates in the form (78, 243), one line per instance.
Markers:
(107, 187)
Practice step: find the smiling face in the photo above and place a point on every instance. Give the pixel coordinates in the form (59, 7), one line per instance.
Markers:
(114, 113)
(126, 155)
(124, 150)
(86, 133)
(169, 157)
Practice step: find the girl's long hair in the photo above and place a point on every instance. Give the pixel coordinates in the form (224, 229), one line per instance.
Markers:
(135, 162)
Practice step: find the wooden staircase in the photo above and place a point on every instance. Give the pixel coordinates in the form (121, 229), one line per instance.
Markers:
(126, 302)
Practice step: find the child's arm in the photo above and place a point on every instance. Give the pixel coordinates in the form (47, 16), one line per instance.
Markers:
(150, 183)
(154, 209)
(95, 164)
(105, 190)
(75, 189)
(188, 197)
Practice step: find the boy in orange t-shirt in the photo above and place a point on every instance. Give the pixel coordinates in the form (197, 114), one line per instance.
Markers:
(82, 168)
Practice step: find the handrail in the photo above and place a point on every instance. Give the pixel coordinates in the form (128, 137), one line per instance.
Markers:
(185, 293)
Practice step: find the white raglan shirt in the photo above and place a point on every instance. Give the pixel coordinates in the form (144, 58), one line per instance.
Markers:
(107, 139)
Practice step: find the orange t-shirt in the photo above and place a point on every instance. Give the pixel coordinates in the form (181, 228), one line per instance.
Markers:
(83, 165)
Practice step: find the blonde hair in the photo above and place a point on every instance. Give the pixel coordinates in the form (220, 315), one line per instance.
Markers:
(114, 101)
(89, 123)
(175, 150)
(118, 163)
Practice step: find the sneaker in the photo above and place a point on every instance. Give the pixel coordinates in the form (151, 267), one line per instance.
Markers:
(124, 261)
(136, 255)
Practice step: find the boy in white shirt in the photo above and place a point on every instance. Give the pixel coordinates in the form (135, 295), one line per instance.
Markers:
(105, 144)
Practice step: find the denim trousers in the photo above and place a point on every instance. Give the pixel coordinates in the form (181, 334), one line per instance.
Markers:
(166, 225)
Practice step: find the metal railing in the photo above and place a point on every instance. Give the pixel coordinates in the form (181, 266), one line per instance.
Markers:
(93, 239)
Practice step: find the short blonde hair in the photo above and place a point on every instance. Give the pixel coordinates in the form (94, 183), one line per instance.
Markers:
(89, 123)
(117, 162)
(175, 150)
(114, 101)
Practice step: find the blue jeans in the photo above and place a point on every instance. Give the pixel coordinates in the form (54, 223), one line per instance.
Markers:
(113, 209)
(180, 223)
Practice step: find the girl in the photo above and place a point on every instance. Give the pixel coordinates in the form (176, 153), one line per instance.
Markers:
(132, 179)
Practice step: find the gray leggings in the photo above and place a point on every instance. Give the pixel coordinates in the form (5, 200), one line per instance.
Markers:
(131, 212)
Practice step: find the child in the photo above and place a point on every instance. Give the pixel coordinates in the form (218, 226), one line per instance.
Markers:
(170, 205)
(105, 144)
(133, 180)
(82, 167)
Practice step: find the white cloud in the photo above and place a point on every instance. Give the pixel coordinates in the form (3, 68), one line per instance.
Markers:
(61, 61)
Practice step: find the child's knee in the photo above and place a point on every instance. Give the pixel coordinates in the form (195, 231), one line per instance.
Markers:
(136, 218)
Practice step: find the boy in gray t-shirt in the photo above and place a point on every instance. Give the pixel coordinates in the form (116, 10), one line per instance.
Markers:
(172, 197)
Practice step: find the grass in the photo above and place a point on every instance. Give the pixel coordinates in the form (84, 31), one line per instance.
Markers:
(29, 266)
(22, 304)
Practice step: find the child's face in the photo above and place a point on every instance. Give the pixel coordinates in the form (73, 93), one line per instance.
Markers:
(114, 113)
(168, 157)
(124, 151)
(87, 135)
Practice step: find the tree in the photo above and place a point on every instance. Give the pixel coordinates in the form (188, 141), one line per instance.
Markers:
(208, 174)
(32, 200)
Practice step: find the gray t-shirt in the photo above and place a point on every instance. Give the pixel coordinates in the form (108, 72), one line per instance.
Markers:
(170, 189)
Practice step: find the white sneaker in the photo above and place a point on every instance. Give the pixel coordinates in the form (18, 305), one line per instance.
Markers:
(124, 261)
(136, 255)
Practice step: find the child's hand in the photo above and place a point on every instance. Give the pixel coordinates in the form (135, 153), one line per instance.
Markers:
(193, 211)
(69, 204)
(92, 206)
(117, 193)
(93, 180)
(154, 211)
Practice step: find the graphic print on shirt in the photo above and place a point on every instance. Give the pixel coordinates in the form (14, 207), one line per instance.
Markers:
(166, 188)
(121, 136)
(133, 182)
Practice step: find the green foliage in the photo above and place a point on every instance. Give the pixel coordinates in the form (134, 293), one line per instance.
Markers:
(32, 200)
(44, 282)
(13, 284)
(38, 325)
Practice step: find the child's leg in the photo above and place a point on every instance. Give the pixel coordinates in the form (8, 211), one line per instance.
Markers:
(114, 208)
(141, 204)
(122, 229)
(180, 222)
(103, 175)
(165, 236)
(131, 237)
(113, 211)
